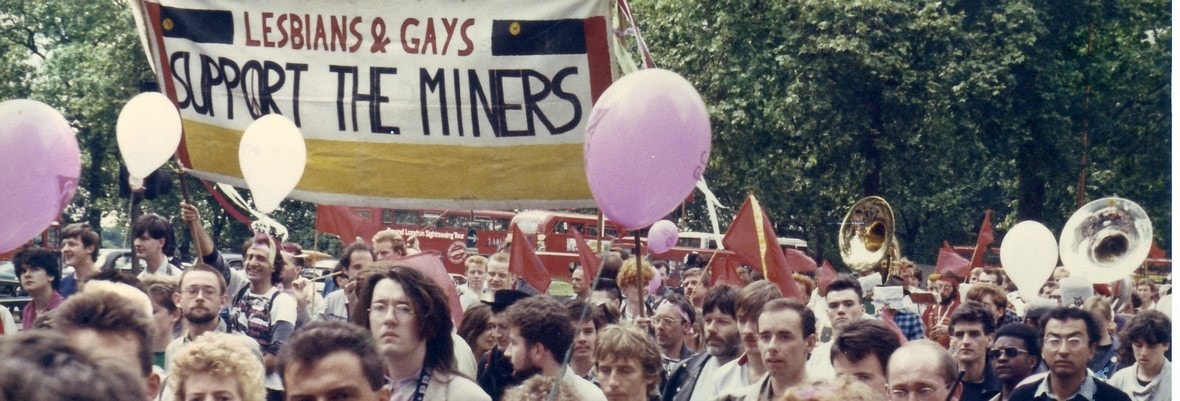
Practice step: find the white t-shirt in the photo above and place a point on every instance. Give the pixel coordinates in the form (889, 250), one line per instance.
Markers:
(706, 389)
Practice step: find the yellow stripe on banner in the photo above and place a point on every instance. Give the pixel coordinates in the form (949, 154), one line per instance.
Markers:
(757, 209)
(544, 172)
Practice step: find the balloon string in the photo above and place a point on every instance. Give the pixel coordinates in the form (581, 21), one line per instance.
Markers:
(625, 7)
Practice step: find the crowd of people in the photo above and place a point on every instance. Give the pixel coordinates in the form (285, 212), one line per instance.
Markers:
(383, 330)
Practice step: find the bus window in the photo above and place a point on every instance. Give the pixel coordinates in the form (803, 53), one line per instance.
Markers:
(611, 232)
(500, 224)
(387, 216)
(363, 213)
(405, 217)
(688, 242)
(528, 226)
(456, 220)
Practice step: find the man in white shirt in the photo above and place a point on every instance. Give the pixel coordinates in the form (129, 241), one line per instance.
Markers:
(476, 274)
(154, 242)
(693, 378)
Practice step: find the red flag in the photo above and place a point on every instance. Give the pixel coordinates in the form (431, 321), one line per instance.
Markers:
(949, 260)
(799, 261)
(826, 275)
(984, 239)
(339, 220)
(723, 270)
(586, 256)
(430, 263)
(523, 261)
(751, 237)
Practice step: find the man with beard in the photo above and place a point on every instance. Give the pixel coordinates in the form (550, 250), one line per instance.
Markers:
(971, 328)
(257, 308)
(693, 378)
(786, 334)
(1014, 355)
(200, 295)
(1070, 338)
(495, 371)
(748, 368)
(673, 321)
(937, 316)
(539, 334)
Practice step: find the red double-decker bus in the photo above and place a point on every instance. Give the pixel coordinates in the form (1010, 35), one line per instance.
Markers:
(455, 234)
(549, 232)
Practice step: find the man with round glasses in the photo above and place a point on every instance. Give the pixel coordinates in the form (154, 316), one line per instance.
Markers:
(407, 314)
(1014, 356)
(1069, 338)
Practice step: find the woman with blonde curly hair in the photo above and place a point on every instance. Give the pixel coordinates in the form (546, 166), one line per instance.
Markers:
(843, 389)
(538, 387)
(632, 282)
(217, 365)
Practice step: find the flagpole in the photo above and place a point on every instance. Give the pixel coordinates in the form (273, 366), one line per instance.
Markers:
(638, 269)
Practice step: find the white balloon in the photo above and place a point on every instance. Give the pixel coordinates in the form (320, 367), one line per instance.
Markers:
(1029, 254)
(272, 156)
(148, 132)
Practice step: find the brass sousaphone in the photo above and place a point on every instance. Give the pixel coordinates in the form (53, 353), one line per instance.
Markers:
(866, 234)
(1106, 240)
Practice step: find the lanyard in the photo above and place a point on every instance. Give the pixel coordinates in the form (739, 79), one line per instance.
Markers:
(423, 381)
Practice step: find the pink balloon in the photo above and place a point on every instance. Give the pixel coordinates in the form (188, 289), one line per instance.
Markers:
(41, 168)
(654, 284)
(662, 236)
(646, 146)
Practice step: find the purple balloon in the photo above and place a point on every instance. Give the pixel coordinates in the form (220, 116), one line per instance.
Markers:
(654, 284)
(646, 146)
(662, 236)
(41, 168)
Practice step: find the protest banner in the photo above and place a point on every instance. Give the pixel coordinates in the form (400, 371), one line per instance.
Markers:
(441, 104)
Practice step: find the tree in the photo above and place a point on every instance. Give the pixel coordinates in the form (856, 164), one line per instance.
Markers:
(945, 109)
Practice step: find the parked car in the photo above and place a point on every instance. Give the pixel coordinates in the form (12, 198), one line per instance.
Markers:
(11, 293)
(114, 258)
(321, 268)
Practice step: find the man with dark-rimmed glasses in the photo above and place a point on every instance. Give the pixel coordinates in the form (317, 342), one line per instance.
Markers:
(1069, 338)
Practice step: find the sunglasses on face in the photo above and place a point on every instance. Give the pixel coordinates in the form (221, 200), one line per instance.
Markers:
(1010, 352)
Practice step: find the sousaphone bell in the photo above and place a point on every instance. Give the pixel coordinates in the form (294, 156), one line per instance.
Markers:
(1106, 240)
(866, 234)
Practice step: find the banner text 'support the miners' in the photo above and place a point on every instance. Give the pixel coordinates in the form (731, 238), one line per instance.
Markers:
(454, 104)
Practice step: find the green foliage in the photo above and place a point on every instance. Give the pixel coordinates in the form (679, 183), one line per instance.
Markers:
(85, 59)
(944, 108)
